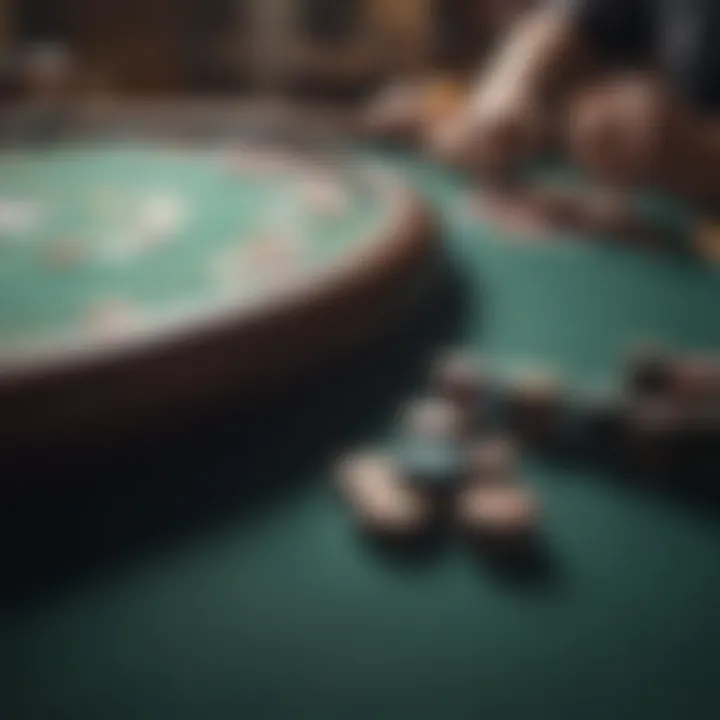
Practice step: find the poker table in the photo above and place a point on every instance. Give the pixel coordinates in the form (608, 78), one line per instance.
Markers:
(217, 575)
(157, 258)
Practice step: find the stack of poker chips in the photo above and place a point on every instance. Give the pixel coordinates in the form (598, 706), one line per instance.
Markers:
(663, 414)
(671, 414)
(446, 456)
(457, 447)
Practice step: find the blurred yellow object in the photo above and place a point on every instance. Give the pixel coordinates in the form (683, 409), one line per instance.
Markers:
(706, 240)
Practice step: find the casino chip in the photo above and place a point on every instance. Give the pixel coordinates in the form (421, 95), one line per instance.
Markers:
(498, 513)
(493, 461)
(431, 449)
(378, 496)
(431, 418)
(459, 378)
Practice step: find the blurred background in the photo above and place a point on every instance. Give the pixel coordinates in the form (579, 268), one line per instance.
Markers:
(305, 48)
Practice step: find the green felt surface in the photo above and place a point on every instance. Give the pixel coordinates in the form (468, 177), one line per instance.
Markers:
(229, 582)
(102, 200)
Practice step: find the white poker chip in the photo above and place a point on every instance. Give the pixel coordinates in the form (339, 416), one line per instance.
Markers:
(19, 216)
(380, 499)
(503, 511)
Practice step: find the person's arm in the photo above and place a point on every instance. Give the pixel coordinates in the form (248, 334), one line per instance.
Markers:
(506, 117)
(541, 55)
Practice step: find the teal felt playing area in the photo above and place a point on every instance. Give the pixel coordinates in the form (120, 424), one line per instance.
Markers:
(221, 578)
(159, 230)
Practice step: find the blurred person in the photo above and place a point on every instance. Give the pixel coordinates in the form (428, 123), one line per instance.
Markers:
(462, 31)
(630, 87)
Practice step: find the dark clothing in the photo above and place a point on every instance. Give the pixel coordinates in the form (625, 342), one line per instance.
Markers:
(460, 38)
(680, 37)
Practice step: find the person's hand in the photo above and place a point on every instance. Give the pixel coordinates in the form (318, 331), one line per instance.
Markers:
(629, 131)
(495, 132)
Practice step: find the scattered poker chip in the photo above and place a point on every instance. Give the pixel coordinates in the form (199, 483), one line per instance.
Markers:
(493, 460)
(457, 376)
(431, 418)
(112, 317)
(379, 497)
(498, 513)
(431, 450)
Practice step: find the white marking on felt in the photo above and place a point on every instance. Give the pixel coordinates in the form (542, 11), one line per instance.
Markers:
(161, 216)
(324, 196)
(19, 216)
